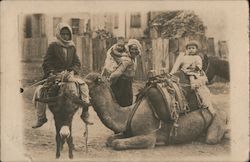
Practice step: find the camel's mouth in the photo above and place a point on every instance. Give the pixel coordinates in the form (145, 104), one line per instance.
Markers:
(95, 79)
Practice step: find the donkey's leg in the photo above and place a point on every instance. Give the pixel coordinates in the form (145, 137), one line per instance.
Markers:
(70, 142)
(136, 142)
(58, 138)
(58, 145)
(70, 145)
(62, 143)
(114, 137)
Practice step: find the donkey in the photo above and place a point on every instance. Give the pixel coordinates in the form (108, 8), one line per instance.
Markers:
(215, 66)
(63, 101)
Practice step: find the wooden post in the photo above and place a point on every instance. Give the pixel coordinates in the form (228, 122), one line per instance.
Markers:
(87, 54)
(173, 51)
(99, 53)
(79, 49)
(166, 54)
(223, 49)
(211, 48)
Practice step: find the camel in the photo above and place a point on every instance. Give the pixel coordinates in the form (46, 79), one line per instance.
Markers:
(144, 130)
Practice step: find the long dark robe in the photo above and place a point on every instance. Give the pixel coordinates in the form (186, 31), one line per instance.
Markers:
(123, 91)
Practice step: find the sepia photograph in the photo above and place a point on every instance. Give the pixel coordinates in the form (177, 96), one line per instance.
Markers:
(125, 81)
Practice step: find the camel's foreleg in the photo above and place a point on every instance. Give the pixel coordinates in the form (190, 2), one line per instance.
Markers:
(114, 137)
(136, 142)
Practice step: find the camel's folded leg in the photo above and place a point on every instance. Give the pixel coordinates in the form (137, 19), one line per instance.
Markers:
(136, 142)
(114, 137)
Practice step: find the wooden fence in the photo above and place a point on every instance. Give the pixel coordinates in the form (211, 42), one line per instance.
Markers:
(161, 53)
(33, 50)
(156, 53)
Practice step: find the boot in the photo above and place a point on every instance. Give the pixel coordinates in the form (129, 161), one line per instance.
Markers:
(85, 117)
(40, 123)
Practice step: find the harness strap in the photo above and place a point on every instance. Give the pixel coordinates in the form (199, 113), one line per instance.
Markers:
(203, 117)
(138, 102)
(182, 104)
(128, 126)
(172, 106)
(208, 65)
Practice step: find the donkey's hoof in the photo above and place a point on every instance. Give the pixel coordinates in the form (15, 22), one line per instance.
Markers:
(57, 156)
(71, 156)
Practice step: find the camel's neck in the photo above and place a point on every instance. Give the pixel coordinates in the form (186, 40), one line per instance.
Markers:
(110, 113)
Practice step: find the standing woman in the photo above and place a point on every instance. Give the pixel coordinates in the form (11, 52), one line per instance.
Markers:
(122, 78)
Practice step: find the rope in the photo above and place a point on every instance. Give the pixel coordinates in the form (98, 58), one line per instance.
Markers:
(204, 119)
(86, 135)
(128, 126)
(208, 65)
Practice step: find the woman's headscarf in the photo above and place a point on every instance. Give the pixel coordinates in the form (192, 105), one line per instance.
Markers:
(138, 44)
(60, 40)
(134, 42)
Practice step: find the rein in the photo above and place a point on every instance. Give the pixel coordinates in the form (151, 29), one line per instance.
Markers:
(141, 96)
(208, 66)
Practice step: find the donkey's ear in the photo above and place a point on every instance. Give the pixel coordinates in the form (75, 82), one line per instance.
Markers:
(87, 81)
(98, 80)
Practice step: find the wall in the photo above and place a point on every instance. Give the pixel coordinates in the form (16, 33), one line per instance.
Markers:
(136, 32)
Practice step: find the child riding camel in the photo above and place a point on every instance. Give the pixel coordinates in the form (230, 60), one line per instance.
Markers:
(191, 64)
(61, 58)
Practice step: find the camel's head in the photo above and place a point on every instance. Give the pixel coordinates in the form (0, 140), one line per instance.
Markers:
(95, 80)
(97, 84)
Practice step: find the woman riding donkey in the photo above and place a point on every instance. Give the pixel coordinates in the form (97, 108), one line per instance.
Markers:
(121, 67)
(191, 65)
(61, 58)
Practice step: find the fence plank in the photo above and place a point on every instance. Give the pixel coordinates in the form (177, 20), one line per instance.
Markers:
(211, 48)
(87, 55)
(79, 49)
(34, 48)
(158, 54)
(166, 54)
(148, 56)
(173, 51)
(99, 53)
(223, 49)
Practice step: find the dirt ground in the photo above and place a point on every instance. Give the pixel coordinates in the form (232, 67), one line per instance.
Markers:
(40, 143)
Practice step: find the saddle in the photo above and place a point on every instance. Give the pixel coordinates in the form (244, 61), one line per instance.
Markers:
(53, 84)
(173, 97)
(166, 97)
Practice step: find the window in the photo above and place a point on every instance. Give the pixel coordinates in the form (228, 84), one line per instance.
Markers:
(116, 21)
(28, 27)
(135, 20)
(38, 25)
(75, 25)
(56, 21)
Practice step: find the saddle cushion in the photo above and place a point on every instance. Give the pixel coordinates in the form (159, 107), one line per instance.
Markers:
(158, 103)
